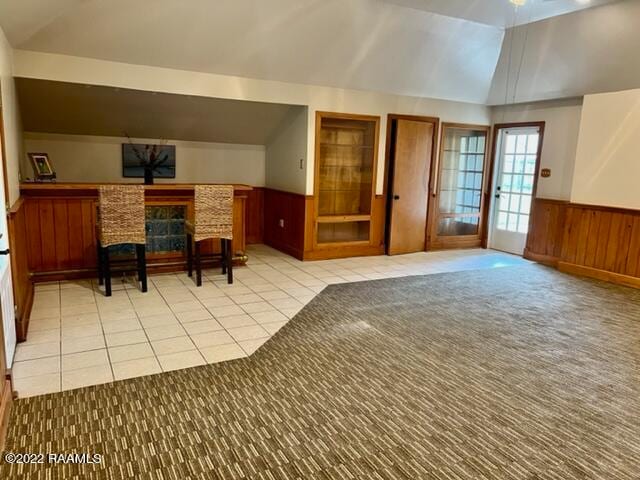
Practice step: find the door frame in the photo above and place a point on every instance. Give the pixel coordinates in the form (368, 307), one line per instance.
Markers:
(497, 128)
(3, 157)
(389, 168)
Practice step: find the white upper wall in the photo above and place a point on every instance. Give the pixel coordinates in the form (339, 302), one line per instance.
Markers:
(11, 121)
(590, 51)
(85, 158)
(286, 156)
(608, 160)
(98, 72)
(562, 123)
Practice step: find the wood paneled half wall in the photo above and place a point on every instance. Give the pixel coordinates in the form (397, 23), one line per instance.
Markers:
(596, 241)
(22, 284)
(284, 221)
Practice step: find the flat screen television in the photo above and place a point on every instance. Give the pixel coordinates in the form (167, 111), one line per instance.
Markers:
(133, 167)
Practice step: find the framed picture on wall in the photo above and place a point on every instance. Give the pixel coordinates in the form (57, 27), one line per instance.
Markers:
(42, 169)
(139, 160)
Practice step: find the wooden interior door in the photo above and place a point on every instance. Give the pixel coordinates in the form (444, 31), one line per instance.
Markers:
(411, 159)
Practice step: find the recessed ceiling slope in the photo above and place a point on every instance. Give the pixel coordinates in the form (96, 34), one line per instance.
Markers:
(145, 114)
(361, 44)
(500, 13)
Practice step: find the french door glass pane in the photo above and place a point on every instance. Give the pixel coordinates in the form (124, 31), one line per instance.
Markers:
(453, 226)
(530, 165)
(516, 187)
(462, 171)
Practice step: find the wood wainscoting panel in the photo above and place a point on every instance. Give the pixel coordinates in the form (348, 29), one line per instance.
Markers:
(545, 237)
(22, 284)
(255, 216)
(61, 234)
(597, 241)
(60, 228)
(284, 221)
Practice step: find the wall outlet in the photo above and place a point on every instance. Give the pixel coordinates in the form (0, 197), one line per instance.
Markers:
(281, 223)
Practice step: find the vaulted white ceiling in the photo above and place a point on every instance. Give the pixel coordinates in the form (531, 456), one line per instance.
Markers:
(500, 13)
(446, 49)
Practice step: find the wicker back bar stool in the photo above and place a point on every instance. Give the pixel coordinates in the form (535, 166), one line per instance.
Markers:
(121, 221)
(213, 218)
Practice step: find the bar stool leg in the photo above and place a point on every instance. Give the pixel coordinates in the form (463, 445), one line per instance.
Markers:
(141, 251)
(198, 266)
(223, 254)
(229, 260)
(99, 261)
(107, 271)
(189, 255)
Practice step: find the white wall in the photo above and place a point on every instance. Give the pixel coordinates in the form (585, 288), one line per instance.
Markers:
(99, 72)
(286, 156)
(82, 158)
(11, 119)
(562, 119)
(608, 159)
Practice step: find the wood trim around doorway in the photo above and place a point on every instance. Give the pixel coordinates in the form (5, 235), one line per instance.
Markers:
(493, 153)
(6, 386)
(388, 172)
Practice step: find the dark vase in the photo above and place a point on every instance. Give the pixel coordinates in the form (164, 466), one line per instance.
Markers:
(148, 176)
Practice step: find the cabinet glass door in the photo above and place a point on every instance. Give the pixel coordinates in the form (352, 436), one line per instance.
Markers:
(346, 152)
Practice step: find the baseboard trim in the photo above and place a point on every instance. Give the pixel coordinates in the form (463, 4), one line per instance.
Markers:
(343, 252)
(22, 323)
(153, 267)
(284, 248)
(598, 274)
(548, 260)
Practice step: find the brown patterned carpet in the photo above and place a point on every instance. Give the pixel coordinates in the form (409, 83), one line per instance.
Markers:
(511, 373)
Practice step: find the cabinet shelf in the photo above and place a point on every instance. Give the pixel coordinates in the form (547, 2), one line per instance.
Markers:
(343, 218)
(344, 145)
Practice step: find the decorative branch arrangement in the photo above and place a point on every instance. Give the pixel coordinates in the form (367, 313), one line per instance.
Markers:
(151, 158)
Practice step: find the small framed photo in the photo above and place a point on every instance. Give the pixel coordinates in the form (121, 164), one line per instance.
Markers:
(42, 167)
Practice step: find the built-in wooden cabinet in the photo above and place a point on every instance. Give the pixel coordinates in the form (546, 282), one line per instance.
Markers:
(344, 197)
(459, 190)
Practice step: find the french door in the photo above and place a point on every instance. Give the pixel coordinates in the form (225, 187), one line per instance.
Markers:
(459, 188)
(517, 161)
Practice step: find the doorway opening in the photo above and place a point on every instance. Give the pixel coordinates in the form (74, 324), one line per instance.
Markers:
(411, 143)
(517, 161)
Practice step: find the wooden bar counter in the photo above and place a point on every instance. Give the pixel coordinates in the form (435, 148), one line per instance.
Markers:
(60, 219)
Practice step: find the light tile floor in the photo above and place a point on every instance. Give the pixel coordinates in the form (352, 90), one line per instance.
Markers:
(78, 337)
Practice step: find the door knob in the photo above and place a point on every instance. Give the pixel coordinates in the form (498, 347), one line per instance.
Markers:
(4, 252)
(396, 197)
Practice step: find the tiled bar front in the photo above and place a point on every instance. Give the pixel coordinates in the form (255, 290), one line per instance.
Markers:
(164, 231)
